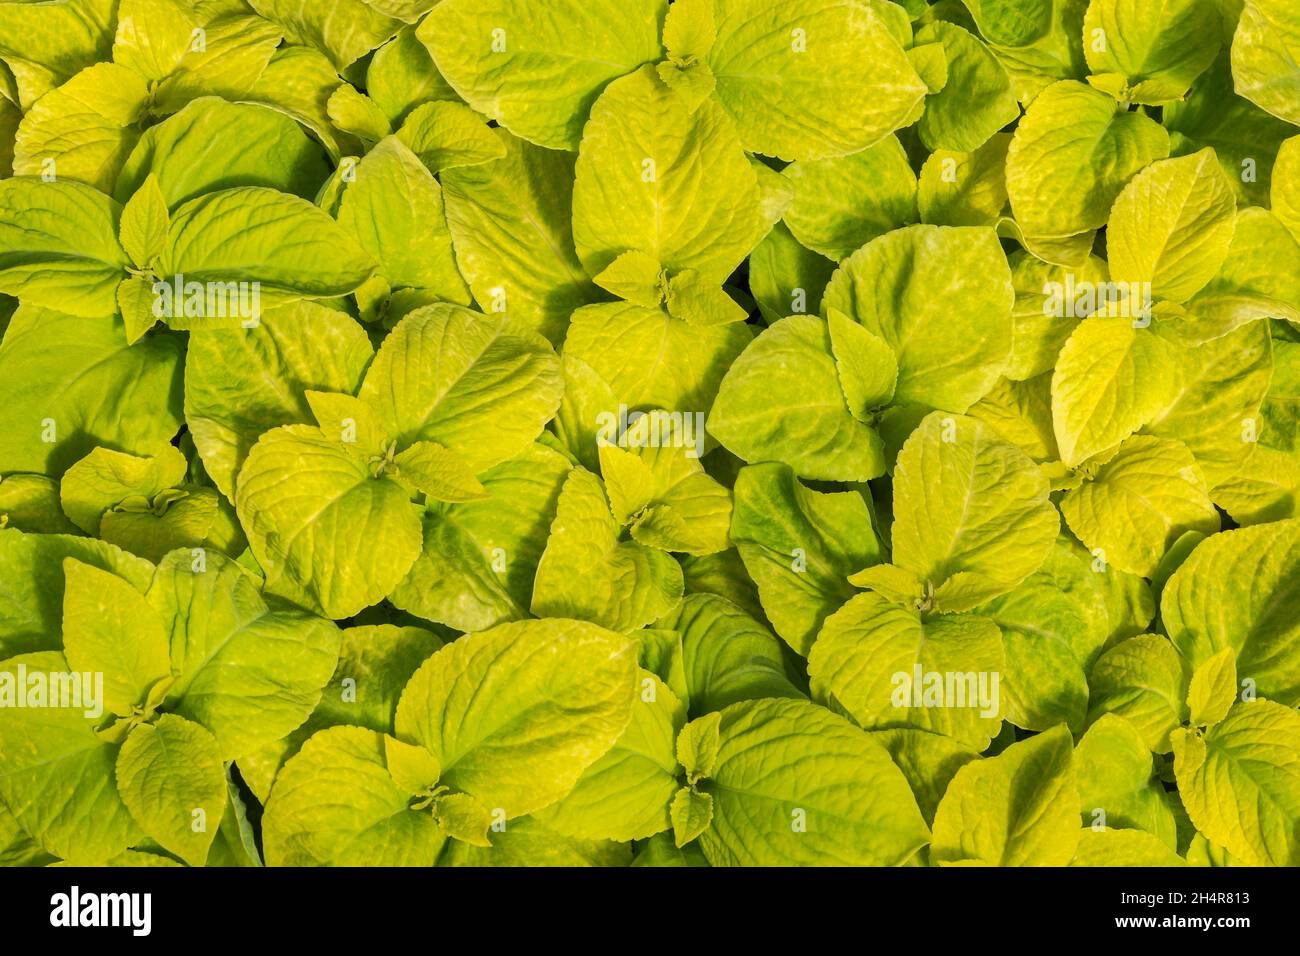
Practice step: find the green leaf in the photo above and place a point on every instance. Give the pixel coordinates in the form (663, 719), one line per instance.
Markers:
(727, 655)
(1019, 808)
(298, 82)
(1240, 782)
(785, 278)
(31, 605)
(1213, 689)
(1051, 301)
(1139, 503)
(692, 813)
(345, 31)
(1172, 225)
(1243, 136)
(394, 209)
(1021, 412)
(661, 655)
(538, 72)
(844, 202)
(110, 629)
(241, 384)
(931, 64)
(1237, 590)
(336, 536)
(655, 177)
(57, 370)
(254, 234)
(461, 816)
(977, 99)
(782, 400)
(867, 368)
(171, 779)
(153, 35)
(626, 794)
(811, 80)
(374, 665)
(1038, 43)
(1263, 57)
(928, 761)
(1286, 187)
(695, 300)
(1063, 177)
(1113, 376)
(965, 189)
(58, 246)
(105, 478)
(479, 558)
(1202, 852)
(511, 222)
(587, 572)
(1144, 680)
(58, 775)
(336, 804)
(664, 494)
(887, 666)
(31, 503)
(247, 670)
(800, 546)
(59, 40)
(226, 60)
(17, 848)
(972, 515)
(689, 361)
(412, 768)
(586, 413)
(1054, 625)
(135, 302)
(189, 153)
(1145, 53)
(448, 136)
(347, 419)
(516, 714)
(357, 115)
(440, 474)
(795, 784)
(1223, 384)
(694, 82)
(187, 517)
(84, 130)
(946, 358)
(661, 850)
(635, 276)
(1267, 489)
(530, 843)
(408, 10)
(1260, 277)
(1118, 848)
(697, 747)
(689, 30)
(1118, 786)
(481, 386)
(402, 75)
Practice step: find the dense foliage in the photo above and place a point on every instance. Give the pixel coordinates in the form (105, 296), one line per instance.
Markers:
(733, 432)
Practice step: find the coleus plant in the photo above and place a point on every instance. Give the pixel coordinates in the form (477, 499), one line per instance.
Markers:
(707, 432)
